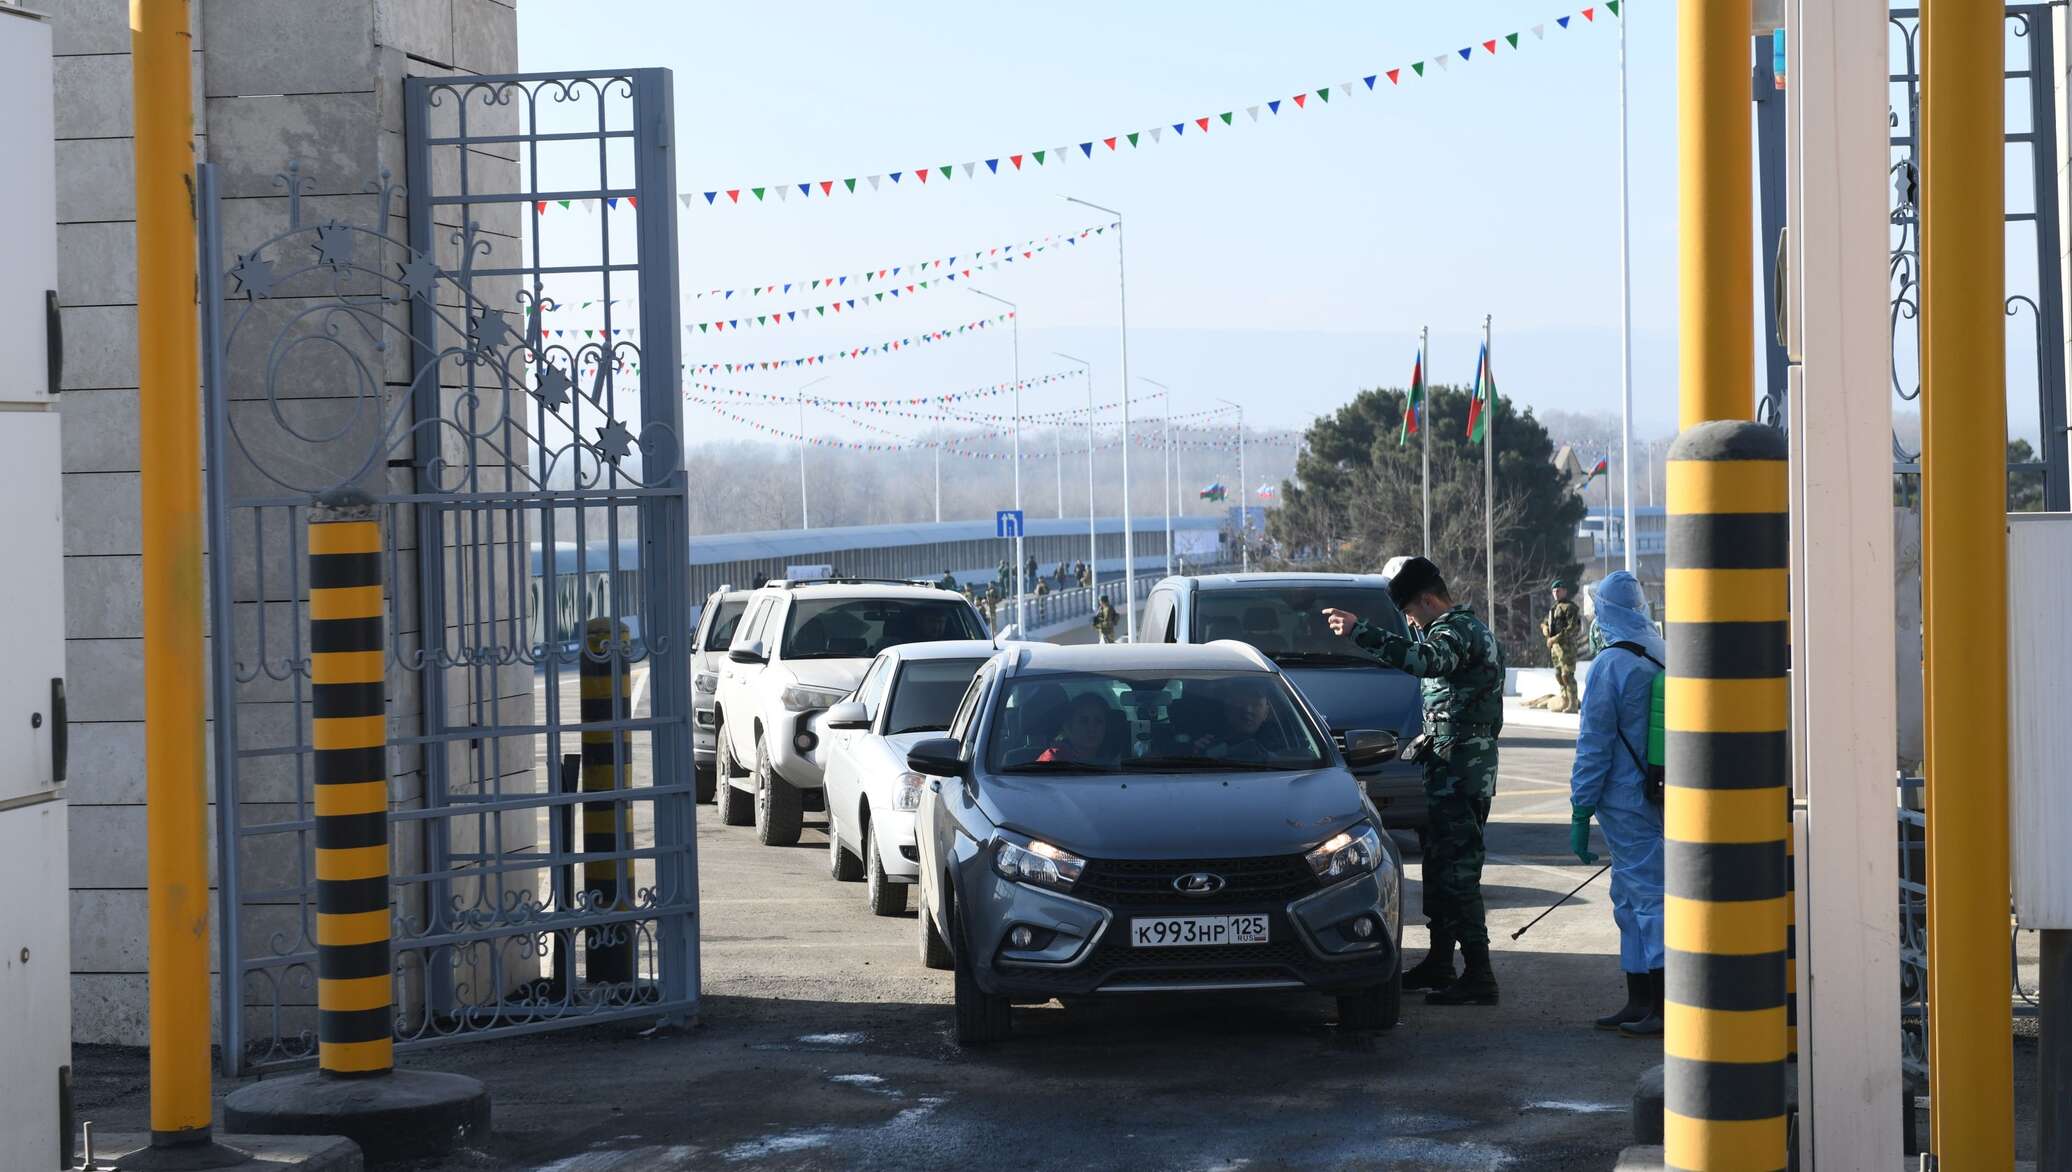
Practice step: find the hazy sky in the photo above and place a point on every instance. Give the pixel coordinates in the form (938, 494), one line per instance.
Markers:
(1281, 264)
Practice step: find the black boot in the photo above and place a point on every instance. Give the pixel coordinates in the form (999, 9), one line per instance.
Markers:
(1649, 1026)
(1477, 984)
(1639, 993)
(1435, 971)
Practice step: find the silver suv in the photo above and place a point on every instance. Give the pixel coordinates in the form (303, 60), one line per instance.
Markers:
(716, 622)
(802, 647)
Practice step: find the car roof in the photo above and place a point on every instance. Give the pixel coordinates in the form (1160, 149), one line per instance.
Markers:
(730, 595)
(1244, 581)
(1225, 654)
(864, 590)
(945, 649)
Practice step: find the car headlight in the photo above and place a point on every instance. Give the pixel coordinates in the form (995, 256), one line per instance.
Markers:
(1347, 853)
(1039, 862)
(906, 791)
(801, 698)
(706, 682)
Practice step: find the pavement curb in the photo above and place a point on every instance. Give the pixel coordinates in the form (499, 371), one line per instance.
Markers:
(401, 1114)
(269, 1153)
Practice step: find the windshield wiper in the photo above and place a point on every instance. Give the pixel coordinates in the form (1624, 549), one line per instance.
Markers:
(1054, 767)
(1180, 761)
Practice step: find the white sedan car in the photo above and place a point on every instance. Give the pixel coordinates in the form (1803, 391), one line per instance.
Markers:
(909, 694)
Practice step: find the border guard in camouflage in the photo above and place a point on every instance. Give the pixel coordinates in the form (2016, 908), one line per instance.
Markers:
(1461, 667)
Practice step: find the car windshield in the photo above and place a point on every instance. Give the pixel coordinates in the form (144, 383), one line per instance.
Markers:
(1287, 622)
(859, 628)
(721, 634)
(1209, 721)
(926, 694)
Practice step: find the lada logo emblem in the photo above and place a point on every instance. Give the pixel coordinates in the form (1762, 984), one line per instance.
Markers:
(1198, 883)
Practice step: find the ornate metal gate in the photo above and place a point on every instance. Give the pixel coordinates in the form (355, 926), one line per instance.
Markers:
(476, 377)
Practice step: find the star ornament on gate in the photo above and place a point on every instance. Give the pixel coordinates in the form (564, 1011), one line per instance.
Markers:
(614, 442)
(492, 332)
(254, 275)
(553, 389)
(421, 277)
(335, 245)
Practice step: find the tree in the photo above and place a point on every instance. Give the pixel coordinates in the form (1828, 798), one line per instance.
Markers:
(1355, 502)
(2024, 485)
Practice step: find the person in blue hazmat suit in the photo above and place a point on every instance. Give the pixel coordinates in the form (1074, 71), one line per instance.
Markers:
(1608, 782)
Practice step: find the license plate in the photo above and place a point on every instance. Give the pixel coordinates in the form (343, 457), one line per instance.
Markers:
(1186, 931)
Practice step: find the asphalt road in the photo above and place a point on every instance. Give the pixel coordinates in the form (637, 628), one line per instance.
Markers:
(824, 1043)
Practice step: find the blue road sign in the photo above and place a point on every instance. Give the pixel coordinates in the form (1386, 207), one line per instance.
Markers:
(1007, 523)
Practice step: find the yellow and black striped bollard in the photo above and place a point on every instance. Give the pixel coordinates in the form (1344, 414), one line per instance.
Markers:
(1727, 811)
(606, 681)
(355, 1027)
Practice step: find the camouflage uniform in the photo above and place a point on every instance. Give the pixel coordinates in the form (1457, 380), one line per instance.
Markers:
(1462, 670)
(1563, 628)
(1104, 621)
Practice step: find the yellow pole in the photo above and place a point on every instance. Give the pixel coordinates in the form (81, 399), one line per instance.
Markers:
(1964, 582)
(169, 478)
(1714, 149)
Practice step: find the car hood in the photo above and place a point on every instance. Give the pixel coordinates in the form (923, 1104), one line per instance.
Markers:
(828, 673)
(1186, 816)
(1361, 697)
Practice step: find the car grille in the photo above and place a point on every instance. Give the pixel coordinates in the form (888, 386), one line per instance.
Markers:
(1140, 883)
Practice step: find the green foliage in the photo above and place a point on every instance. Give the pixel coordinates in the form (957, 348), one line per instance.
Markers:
(1355, 500)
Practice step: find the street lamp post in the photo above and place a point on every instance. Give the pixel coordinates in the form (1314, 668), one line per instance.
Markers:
(1129, 547)
(800, 395)
(1244, 515)
(1093, 543)
(1014, 318)
(1166, 393)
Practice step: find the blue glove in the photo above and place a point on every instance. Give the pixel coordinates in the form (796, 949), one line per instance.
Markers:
(1579, 833)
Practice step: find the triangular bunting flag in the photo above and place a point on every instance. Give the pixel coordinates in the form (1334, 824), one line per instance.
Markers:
(1179, 128)
(1489, 45)
(1513, 38)
(1467, 52)
(1274, 106)
(783, 192)
(1441, 60)
(922, 174)
(1345, 88)
(993, 165)
(806, 189)
(1369, 79)
(1395, 77)
(873, 180)
(1562, 21)
(1132, 136)
(1252, 112)
(1415, 65)
(1203, 123)
(895, 175)
(758, 193)
(969, 168)
(1324, 93)
(1087, 148)
(1539, 32)
(1612, 6)
(1225, 115)
(1016, 160)
(1156, 133)
(1038, 156)
(946, 168)
(1301, 101)
(1590, 14)
(827, 187)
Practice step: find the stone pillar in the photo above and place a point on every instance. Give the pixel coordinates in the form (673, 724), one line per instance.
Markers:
(318, 84)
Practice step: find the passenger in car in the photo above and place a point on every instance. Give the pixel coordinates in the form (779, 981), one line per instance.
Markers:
(1247, 733)
(1085, 736)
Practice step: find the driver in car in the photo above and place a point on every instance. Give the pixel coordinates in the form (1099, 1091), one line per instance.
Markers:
(1245, 735)
(1083, 737)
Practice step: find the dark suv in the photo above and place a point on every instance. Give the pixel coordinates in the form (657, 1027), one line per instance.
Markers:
(1282, 615)
(1138, 819)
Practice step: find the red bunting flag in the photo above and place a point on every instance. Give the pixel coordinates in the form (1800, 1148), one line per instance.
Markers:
(1489, 45)
(1395, 77)
(1202, 122)
(1299, 99)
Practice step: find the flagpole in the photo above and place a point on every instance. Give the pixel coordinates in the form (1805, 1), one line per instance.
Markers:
(1625, 313)
(1608, 529)
(1488, 470)
(1424, 426)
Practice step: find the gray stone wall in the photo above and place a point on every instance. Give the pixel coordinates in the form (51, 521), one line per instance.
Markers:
(317, 81)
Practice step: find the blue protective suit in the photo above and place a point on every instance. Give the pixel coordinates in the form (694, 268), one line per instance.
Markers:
(1605, 775)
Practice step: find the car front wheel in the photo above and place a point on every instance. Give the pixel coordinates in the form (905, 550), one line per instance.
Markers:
(734, 804)
(1373, 1009)
(887, 898)
(778, 812)
(842, 865)
(981, 1016)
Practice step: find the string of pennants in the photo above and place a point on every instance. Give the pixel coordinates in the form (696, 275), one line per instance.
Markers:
(864, 351)
(950, 445)
(990, 256)
(884, 405)
(1199, 126)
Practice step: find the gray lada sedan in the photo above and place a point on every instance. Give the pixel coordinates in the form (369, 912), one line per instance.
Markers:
(1146, 819)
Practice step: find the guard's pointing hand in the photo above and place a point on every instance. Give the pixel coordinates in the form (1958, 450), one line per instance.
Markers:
(1340, 621)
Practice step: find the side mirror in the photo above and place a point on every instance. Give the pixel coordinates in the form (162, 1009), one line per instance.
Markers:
(748, 653)
(1366, 746)
(938, 757)
(849, 714)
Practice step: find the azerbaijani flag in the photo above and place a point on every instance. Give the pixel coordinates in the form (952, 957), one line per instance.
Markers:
(1485, 389)
(1596, 472)
(1413, 403)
